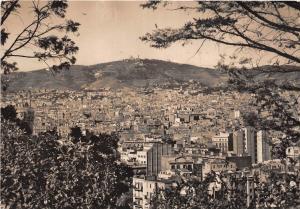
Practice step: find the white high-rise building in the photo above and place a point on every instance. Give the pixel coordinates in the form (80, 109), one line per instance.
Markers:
(263, 147)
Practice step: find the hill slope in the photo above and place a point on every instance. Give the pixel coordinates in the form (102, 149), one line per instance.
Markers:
(133, 73)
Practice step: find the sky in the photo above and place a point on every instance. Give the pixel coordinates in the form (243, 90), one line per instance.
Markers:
(110, 31)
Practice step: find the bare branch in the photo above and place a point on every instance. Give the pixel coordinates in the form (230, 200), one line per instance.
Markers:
(8, 10)
(276, 25)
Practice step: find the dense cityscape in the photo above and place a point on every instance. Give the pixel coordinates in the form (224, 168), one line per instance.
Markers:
(164, 133)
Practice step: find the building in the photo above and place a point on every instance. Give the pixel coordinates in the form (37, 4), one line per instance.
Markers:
(217, 165)
(154, 155)
(144, 188)
(221, 141)
(250, 143)
(237, 114)
(142, 155)
(263, 148)
(236, 143)
(293, 152)
(183, 165)
(240, 161)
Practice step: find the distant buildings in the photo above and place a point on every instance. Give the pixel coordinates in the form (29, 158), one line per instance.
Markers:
(148, 120)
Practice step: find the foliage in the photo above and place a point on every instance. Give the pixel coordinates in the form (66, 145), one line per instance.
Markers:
(196, 194)
(278, 192)
(76, 134)
(262, 26)
(281, 191)
(9, 113)
(40, 35)
(46, 172)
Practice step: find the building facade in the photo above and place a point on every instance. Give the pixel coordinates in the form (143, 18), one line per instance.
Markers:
(154, 156)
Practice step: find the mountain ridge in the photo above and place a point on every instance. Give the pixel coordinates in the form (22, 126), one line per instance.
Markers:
(136, 73)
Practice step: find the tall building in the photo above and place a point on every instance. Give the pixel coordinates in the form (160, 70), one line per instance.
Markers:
(154, 157)
(263, 147)
(250, 142)
(236, 143)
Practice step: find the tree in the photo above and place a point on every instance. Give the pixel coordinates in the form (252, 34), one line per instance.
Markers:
(197, 194)
(9, 113)
(76, 134)
(263, 26)
(47, 172)
(40, 35)
(278, 192)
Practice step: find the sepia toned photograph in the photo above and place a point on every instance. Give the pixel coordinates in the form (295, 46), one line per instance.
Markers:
(150, 104)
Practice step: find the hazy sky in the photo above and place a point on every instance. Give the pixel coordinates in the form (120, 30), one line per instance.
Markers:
(110, 31)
